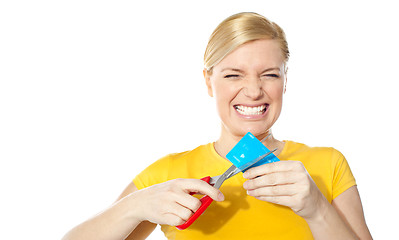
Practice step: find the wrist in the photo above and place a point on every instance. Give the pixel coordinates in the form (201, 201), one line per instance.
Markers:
(132, 208)
(320, 213)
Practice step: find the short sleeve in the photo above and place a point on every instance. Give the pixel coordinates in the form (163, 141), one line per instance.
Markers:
(343, 178)
(153, 174)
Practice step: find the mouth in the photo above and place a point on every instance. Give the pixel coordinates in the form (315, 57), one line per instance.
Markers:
(251, 111)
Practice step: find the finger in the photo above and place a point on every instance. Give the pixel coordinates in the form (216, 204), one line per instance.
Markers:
(281, 166)
(272, 179)
(172, 220)
(189, 202)
(279, 190)
(199, 186)
(180, 211)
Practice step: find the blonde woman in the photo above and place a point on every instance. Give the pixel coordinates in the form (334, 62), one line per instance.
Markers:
(310, 194)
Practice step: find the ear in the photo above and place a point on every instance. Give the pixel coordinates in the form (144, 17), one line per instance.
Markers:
(208, 82)
(285, 84)
(285, 79)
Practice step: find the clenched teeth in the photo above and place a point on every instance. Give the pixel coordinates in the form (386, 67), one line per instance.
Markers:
(245, 110)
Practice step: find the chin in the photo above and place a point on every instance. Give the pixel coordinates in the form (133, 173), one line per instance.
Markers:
(257, 133)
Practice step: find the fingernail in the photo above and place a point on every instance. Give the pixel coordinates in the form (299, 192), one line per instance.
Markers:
(220, 196)
(245, 185)
(245, 175)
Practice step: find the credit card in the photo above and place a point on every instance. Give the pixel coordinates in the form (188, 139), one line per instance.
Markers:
(248, 149)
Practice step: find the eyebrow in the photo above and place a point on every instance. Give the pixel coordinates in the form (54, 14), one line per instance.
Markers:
(241, 71)
(233, 69)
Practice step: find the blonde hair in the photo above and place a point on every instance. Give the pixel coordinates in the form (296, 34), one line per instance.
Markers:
(239, 29)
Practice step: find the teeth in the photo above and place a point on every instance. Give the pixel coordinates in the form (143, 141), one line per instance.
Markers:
(250, 110)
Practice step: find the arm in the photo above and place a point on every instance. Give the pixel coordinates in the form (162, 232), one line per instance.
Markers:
(343, 219)
(349, 207)
(137, 212)
(112, 223)
(145, 228)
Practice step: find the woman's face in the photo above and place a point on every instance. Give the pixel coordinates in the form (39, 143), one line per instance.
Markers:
(248, 86)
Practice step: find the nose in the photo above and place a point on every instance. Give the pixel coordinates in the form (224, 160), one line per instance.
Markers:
(253, 88)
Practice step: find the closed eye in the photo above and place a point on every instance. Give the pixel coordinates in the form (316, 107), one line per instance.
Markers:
(231, 76)
(272, 75)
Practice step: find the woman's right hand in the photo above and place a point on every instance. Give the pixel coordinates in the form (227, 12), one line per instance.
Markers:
(170, 202)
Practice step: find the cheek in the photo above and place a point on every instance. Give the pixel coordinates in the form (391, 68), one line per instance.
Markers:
(275, 92)
(224, 93)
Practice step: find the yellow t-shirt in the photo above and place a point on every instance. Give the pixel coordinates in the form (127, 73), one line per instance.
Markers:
(241, 216)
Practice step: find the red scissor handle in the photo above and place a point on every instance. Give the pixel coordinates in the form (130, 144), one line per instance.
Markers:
(205, 202)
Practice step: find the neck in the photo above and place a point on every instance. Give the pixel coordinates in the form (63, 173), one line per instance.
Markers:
(228, 140)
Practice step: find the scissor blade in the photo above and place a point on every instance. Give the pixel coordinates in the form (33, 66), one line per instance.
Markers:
(225, 176)
(214, 179)
(217, 181)
(252, 162)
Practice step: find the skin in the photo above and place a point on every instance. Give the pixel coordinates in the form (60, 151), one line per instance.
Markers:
(252, 75)
(246, 77)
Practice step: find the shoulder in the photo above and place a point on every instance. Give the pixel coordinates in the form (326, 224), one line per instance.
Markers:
(315, 158)
(326, 165)
(294, 149)
(183, 157)
(180, 157)
(171, 166)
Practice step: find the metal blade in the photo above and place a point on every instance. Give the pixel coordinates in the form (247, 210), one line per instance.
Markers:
(224, 176)
(214, 179)
(233, 170)
(251, 163)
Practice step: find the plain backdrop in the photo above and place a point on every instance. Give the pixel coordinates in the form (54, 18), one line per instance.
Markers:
(92, 92)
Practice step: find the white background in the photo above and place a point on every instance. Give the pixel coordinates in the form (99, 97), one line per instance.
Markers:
(92, 92)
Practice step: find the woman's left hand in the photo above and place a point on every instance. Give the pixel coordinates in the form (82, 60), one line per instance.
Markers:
(285, 183)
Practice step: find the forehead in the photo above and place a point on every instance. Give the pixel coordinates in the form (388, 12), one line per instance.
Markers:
(253, 55)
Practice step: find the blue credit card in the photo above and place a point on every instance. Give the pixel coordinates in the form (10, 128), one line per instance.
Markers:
(248, 149)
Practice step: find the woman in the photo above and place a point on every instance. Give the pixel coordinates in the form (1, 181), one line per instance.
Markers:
(310, 194)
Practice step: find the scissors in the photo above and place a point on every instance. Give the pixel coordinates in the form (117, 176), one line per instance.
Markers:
(216, 182)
